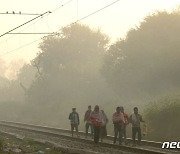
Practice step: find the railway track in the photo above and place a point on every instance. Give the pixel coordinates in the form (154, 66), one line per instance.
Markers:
(148, 147)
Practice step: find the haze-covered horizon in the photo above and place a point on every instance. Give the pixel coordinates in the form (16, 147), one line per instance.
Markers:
(115, 21)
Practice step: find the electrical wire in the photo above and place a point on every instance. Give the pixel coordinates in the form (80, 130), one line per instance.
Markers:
(97, 11)
(5, 41)
(20, 13)
(61, 6)
(39, 19)
(30, 33)
(70, 24)
(18, 48)
(24, 24)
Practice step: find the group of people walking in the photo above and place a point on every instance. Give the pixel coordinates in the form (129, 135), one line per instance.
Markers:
(97, 120)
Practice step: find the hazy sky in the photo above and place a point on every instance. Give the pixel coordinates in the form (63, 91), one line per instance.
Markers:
(115, 20)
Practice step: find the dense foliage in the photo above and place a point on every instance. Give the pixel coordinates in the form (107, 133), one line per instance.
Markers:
(146, 64)
(163, 119)
(68, 67)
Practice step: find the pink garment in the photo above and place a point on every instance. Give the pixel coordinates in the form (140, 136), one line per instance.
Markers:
(96, 118)
(118, 118)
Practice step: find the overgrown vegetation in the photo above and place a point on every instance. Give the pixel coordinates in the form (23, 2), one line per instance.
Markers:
(163, 119)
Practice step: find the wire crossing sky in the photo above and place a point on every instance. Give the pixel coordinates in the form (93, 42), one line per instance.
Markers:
(116, 20)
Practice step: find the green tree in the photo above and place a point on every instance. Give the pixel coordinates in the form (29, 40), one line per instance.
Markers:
(27, 74)
(162, 117)
(146, 63)
(68, 65)
(68, 74)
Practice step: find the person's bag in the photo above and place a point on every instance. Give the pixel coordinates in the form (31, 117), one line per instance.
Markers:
(144, 129)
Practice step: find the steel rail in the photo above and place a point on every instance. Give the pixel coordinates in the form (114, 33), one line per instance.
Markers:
(56, 132)
(144, 142)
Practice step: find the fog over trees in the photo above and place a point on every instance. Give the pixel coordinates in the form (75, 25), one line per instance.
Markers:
(146, 64)
(79, 67)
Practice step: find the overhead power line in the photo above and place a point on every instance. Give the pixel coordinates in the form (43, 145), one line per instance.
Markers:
(19, 13)
(61, 6)
(53, 33)
(24, 23)
(31, 33)
(97, 11)
(57, 33)
(40, 14)
(5, 41)
(18, 48)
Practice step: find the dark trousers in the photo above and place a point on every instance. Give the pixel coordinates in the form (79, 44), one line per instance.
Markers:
(87, 128)
(118, 131)
(74, 126)
(136, 130)
(96, 133)
(103, 131)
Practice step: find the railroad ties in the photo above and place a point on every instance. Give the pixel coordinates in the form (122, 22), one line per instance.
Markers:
(62, 139)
